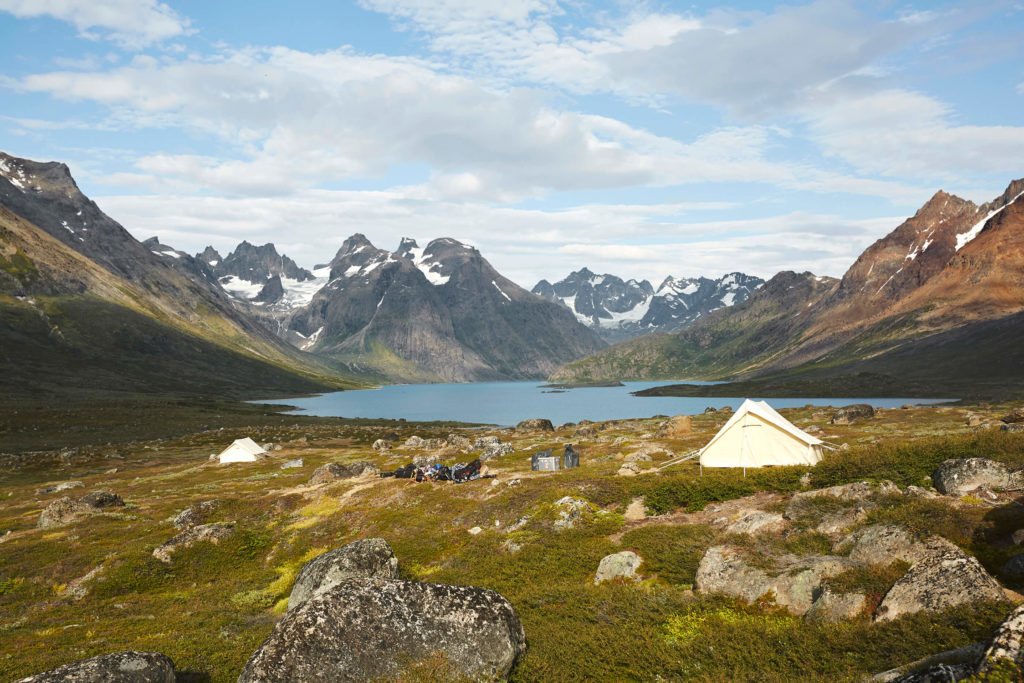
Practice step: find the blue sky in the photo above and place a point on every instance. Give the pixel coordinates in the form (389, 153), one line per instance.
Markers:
(638, 138)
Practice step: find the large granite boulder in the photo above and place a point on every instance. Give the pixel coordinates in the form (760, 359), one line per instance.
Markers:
(886, 543)
(945, 577)
(537, 424)
(482, 442)
(214, 533)
(958, 476)
(857, 411)
(195, 515)
(370, 558)
(369, 629)
(118, 667)
(794, 582)
(621, 565)
(496, 450)
(675, 427)
(1006, 643)
(65, 510)
(336, 471)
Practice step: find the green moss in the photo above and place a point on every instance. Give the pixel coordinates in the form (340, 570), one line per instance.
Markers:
(673, 552)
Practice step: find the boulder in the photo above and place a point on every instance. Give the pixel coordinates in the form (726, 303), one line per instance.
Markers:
(757, 521)
(585, 432)
(1018, 537)
(1014, 566)
(951, 665)
(841, 521)
(102, 499)
(336, 471)
(195, 514)
(856, 491)
(974, 420)
(918, 492)
(1015, 427)
(371, 629)
(62, 486)
(414, 442)
(675, 427)
(570, 511)
(618, 566)
(381, 445)
(369, 558)
(629, 469)
(459, 441)
(639, 456)
(944, 578)
(1013, 417)
(292, 464)
(434, 444)
(496, 450)
(118, 667)
(834, 607)
(958, 476)
(537, 424)
(482, 442)
(886, 543)
(794, 583)
(214, 533)
(425, 460)
(857, 411)
(1006, 643)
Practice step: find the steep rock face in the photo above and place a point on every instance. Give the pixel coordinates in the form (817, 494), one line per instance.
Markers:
(440, 312)
(618, 309)
(369, 629)
(257, 264)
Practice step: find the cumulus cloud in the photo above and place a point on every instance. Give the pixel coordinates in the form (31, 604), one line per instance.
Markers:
(132, 24)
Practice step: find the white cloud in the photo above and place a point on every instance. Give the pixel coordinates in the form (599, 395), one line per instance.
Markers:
(132, 24)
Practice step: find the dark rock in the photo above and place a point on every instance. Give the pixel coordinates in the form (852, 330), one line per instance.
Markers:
(336, 471)
(847, 414)
(214, 533)
(272, 291)
(709, 409)
(195, 514)
(368, 629)
(1013, 417)
(535, 425)
(958, 476)
(118, 667)
(370, 558)
(102, 499)
(1014, 566)
(1015, 427)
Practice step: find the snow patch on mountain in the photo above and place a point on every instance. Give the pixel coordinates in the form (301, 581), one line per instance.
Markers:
(963, 239)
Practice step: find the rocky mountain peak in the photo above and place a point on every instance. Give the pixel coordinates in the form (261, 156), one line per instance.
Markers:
(256, 264)
(50, 177)
(407, 248)
(210, 256)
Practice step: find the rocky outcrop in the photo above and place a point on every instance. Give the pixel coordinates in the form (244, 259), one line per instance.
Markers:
(483, 442)
(756, 522)
(369, 629)
(65, 510)
(496, 450)
(536, 424)
(1006, 644)
(195, 514)
(570, 512)
(336, 471)
(958, 476)
(833, 607)
(793, 584)
(945, 577)
(848, 414)
(675, 427)
(118, 667)
(369, 558)
(621, 565)
(214, 533)
(886, 543)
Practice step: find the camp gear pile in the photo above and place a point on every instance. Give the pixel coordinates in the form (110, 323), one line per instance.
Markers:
(458, 473)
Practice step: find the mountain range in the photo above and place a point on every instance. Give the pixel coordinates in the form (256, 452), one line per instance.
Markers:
(937, 299)
(619, 310)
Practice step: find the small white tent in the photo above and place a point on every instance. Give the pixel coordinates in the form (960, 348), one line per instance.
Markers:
(242, 450)
(756, 436)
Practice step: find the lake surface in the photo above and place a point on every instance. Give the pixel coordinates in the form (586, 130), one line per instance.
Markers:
(506, 403)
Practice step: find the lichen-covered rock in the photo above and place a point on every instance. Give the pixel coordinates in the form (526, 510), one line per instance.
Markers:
(118, 667)
(65, 510)
(62, 486)
(857, 411)
(195, 514)
(369, 629)
(793, 583)
(639, 457)
(833, 607)
(621, 565)
(886, 543)
(756, 522)
(571, 511)
(1013, 417)
(482, 442)
(1006, 643)
(434, 444)
(955, 664)
(841, 521)
(857, 491)
(369, 558)
(381, 445)
(675, 427)
(292, 464)
(414, 442)
(214, 533)
(336, 471)
(496, 450)
(944, 578)
(102, 499)
(459, 441)
(425, 460)
(958, 476)
(629, 469)
(585, 432)
(537, 424)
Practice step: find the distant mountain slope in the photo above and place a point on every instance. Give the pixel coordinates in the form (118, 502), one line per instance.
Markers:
(942, 277)
(619, 310)
(435, 313)
(86, 306)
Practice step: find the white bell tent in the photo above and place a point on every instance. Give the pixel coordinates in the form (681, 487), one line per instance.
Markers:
(756, 436)
(241, 450)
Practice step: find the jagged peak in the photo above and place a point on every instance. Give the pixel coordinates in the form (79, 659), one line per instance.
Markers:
(38, 176)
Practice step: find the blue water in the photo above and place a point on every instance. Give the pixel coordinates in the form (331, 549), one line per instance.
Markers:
(506, 403)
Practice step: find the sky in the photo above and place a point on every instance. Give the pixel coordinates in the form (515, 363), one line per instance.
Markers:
(642, 139)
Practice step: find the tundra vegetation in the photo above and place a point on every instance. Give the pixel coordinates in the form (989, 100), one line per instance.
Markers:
(93, 586)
